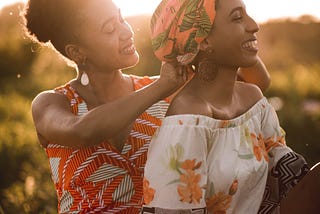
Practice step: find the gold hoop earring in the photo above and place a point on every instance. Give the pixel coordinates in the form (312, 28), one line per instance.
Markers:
(207, 70)
(209, 51)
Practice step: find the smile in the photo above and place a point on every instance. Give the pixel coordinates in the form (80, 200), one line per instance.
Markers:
(251, 46)
(129, 50)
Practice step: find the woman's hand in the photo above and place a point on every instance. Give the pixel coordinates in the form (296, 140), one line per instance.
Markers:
(172, 77)
(257, 74)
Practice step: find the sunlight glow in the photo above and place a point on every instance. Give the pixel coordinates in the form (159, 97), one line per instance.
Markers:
(261, 10)
(133, 7)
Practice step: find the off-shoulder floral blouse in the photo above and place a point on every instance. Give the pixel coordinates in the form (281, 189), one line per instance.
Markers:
(196, 161)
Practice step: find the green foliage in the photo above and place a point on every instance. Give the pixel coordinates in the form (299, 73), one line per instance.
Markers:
(285, 43)
(25, 183)
(290, 50)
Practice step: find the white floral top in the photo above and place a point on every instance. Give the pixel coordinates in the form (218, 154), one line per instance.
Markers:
(196, 161)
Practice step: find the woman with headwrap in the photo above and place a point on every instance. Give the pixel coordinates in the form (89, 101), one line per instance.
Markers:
(221, 138)
(96, 128)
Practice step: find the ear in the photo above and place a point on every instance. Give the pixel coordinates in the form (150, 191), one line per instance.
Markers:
(204, 45)
(75, 53)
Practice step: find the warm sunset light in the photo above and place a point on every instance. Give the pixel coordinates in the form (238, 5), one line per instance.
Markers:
(261, 10)
(133, 7)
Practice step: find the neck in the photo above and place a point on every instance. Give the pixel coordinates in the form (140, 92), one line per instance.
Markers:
(221, 89)
(106, 86)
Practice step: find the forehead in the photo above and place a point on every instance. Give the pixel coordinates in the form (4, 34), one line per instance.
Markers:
(96, 10)
(226, 6)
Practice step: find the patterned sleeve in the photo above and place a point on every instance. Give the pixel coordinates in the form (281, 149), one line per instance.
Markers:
(286, 168)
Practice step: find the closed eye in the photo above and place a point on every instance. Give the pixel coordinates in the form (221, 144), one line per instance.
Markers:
(237, 19)
(237, 14)
(109, 28)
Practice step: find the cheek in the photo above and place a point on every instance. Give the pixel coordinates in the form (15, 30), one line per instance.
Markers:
(106, 49)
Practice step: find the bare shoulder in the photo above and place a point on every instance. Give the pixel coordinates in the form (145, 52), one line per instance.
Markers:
(249, 92)
(188, 103)
(46, 99)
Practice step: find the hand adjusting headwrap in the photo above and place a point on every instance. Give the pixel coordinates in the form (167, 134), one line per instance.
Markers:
(179, 26)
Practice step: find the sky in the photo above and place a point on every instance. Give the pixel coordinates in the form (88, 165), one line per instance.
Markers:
(261, 10)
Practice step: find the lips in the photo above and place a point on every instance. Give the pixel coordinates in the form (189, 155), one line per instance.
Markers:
(129, 49)
(250, 45)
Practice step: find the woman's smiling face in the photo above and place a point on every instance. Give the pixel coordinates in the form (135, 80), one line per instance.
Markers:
(233, 36)
(106, 37)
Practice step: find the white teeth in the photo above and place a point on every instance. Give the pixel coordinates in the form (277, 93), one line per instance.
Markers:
(250, 44)
(129, 49)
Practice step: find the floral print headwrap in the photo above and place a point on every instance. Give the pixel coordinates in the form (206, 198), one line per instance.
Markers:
(179, 26)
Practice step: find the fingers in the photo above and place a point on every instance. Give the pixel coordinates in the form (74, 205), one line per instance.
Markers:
(185, 73)
(172, 63)
(176, 70)
(180, 70)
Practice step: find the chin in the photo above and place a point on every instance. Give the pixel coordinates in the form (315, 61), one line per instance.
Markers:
(132, 61)
(250, 62)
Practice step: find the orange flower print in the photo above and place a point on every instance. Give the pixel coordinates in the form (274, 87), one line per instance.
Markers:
(259, 148)
(190, 165)
(189, 189)
(233, 188)
(281, 140)
(224, 123)
(148, 192)
(180, 122)
(270, 143)
(219, 203)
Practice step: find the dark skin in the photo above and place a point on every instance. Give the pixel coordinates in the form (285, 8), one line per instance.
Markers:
(223, 97)
(105, 45)
(109, 93)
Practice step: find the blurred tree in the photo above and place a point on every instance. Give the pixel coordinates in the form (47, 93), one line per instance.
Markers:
(15, 55)
(287, 42)
(25, 184)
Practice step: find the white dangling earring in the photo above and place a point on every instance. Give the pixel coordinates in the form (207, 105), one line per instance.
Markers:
(84, 79)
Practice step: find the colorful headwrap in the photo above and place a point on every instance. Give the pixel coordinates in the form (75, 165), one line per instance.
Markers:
(179, 26)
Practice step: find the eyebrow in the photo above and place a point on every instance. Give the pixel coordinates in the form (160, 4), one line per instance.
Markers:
(110, 19)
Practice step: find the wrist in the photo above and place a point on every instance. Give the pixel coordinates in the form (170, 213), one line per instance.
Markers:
(162, 89)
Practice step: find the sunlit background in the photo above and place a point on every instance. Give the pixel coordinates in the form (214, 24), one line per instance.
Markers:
(261, 10)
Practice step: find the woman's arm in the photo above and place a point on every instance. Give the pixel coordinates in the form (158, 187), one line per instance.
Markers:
(55, 123)
(257, 74)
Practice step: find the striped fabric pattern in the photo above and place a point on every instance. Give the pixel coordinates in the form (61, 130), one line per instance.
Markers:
(289, 170)
(100, 179)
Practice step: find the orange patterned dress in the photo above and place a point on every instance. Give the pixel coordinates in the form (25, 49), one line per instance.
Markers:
(100, 179)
